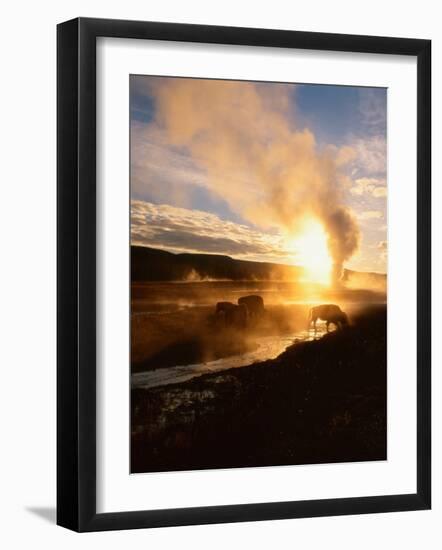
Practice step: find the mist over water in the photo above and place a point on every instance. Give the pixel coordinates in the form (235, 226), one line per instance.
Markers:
(269, 347)
(172, 328)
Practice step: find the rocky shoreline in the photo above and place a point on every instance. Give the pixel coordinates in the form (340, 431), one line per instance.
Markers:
(318, 402)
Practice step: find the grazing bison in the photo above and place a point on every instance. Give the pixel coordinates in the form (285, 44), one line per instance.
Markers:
(233, 315)
(237, 316)
(223, 307)
(254, 305)
(329, 313)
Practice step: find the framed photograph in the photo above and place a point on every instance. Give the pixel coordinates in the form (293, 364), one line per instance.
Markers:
(243, 274)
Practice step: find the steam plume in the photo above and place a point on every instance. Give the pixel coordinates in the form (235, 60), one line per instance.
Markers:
(269, 171)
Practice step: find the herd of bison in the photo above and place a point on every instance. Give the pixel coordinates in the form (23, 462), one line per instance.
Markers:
(251, 308)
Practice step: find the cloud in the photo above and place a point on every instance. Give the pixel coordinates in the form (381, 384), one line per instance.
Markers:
(370, 186)
(158, 170)
(183, 230)
(383, 248)
(345, 155)
(242, 136)
(371, 156)
(370, 215)
(379, 192)
(373, 109)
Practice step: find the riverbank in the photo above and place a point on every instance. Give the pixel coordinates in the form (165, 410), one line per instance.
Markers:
(318, 402)
(196, 335)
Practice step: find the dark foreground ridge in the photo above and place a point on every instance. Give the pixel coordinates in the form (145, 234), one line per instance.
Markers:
(319, 402)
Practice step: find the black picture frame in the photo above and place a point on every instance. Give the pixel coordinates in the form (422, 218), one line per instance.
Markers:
(77, 287)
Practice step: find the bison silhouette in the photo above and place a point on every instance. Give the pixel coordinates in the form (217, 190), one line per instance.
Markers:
(254, 305)
(236, 316)
(330, 313)
(223, 307)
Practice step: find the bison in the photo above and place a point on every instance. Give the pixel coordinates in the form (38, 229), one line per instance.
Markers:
(237, 316)
(234, 315)
(223, 307)
(329, 313)
(254, 305)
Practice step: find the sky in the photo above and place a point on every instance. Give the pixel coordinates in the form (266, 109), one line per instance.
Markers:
(239, 168)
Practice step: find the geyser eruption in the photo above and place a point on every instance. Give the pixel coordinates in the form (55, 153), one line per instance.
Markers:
(244, 136)
(343, 238)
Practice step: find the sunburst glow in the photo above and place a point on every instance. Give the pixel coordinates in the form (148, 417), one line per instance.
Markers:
(311, 252)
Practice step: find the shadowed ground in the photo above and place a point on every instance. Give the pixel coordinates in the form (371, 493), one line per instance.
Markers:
(318, 402)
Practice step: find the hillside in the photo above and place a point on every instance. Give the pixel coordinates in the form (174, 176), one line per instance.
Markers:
(151, 264)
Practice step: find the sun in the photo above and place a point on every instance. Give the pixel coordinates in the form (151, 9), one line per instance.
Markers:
(311, 252)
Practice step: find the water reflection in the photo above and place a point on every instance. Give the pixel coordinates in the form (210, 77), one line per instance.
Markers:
(269, 347)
